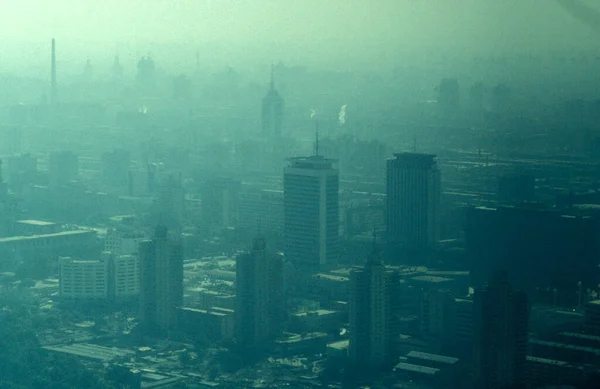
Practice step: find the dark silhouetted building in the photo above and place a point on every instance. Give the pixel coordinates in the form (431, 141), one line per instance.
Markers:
(500, 335)
(516, 188)
(272, 111)
(161, 282)
(374, 312)
(259, 303)
(539, 247)
(413, 200)
(145, 77)
(449, 94)
(311, 211)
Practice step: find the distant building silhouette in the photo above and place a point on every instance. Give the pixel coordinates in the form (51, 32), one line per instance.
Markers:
(259, 300)
(145, 76)
(117, 69)
(311, 211)
(449, 94)
(374, 305)
(413, 200)
(63, 166)
(500, 341)
(272, 110)
(540, 247)
(161, 282)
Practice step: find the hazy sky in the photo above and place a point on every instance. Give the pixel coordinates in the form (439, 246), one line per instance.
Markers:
(327, 28)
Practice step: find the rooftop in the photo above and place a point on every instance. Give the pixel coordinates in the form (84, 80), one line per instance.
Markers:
(36, 222)
(432, 357)
(91, 351)
(33, 237)
(416, 368)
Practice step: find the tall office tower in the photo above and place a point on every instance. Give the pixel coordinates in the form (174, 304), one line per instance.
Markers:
(374, 309)
(161, 281)
(272, 110)
(413, 200)
(311, 211)
(259, 296)
(500, 338)
(53, 92)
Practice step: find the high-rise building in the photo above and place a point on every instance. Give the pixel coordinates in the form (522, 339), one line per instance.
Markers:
(161, 281)
(374, 309)
(272, 110)
(311, 211)
(413, 200)
(500, 335)
(259, 296)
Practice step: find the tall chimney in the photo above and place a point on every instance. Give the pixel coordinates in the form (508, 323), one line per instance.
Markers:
(53, 98)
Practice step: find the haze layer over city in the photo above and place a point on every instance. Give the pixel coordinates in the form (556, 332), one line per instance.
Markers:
(316, 194)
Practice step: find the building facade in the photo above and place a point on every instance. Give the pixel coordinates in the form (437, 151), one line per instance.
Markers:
(83, 280)
(413, 200)
(374, 312)
(259, 305)
(311, 211)
(500, 335)
(161, 281)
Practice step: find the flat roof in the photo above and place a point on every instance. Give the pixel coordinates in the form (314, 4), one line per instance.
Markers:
(42, 236)
(36, 222)
(339, 345)
(416, 368)
(433, 279)
(432, 357)
(91, 351)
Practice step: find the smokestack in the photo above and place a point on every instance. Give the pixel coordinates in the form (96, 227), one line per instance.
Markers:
(53, 98)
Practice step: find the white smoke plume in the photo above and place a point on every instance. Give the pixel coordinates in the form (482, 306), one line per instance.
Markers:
(313, 113)
(342, 114)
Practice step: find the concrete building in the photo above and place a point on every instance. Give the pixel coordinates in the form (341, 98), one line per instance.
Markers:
(123, 277)
(311, 211)
(74, 243)
(500, 340)
(161, 281)
(122, 242)
(83, 280)
(259, 301)
(114, 278)
(374, 313)
(413, 200)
